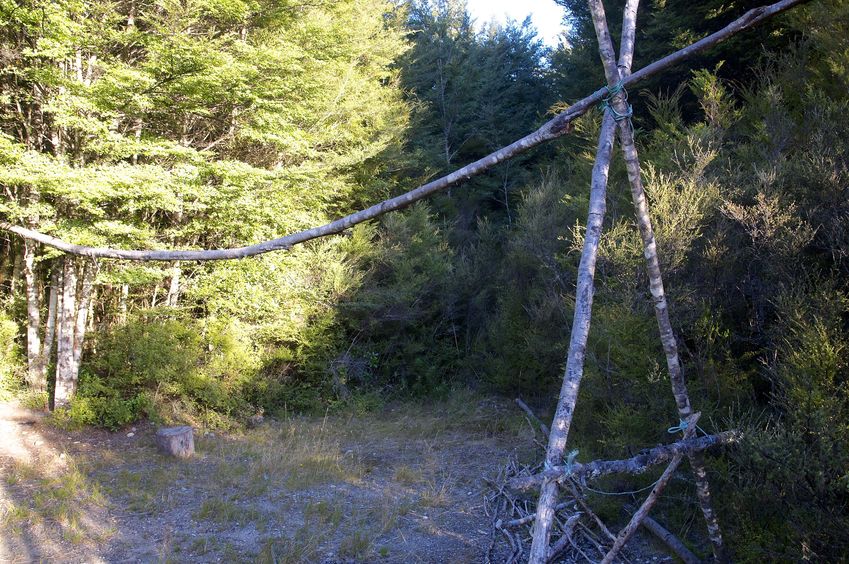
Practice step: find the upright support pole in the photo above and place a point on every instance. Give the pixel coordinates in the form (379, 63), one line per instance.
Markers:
(577, 343)
(641, 209)
(580, 328)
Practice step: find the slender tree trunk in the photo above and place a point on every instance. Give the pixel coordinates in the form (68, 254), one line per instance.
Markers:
(50, 329)
(122, 302)
(174, 286)
(5, 261)
(57, 133)
(88, 273)
(577, 343)
(35, 375)
(137, 132)
(667, 335)
(91, 315)
(66, 381)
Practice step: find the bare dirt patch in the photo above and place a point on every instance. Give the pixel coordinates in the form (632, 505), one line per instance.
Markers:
(404, 485)
(400, 486)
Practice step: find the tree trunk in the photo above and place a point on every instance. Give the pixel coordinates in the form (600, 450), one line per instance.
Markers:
(50, 329)
(122, 302)
(17, 271)
(66, 377)
(174, 287)
(35, 375)
(577, 342)
(88, 273)
(137, 134)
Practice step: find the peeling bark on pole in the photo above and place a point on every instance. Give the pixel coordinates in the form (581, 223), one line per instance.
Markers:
(638, 464)
(583, 313)
(577, 343)
(641, 209)
(554, 128)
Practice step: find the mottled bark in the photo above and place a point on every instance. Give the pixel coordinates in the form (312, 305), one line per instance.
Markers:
(667, 335)
(36, 378)
(66, 381)
(581, 323)
(17, 271)
(122, 302)
(50, 329)
(88, 272)
(554, 128)
(174, 287)
(559, 431)
(635, 465)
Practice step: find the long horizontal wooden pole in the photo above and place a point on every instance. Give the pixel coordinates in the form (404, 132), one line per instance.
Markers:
(554, 128)
(634, 465)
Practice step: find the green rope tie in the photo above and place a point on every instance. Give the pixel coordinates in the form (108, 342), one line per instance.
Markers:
(680, 427)
(605, 104)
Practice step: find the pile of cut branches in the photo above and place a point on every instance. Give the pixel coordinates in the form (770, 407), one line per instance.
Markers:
(580, 534)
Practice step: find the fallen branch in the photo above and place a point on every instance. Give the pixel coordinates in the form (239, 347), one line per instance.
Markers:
(634, 465)
(641, 513)
(566, 530)
(670, 540)
(529, 518)
(554, 128)
(542, 426)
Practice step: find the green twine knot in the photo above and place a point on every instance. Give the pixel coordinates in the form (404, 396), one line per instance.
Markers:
(605, 104)
(681, 426)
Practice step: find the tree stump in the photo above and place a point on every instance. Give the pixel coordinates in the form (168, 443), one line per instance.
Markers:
(176, 441)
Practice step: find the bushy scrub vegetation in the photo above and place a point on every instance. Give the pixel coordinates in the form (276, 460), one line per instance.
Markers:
(222, 123)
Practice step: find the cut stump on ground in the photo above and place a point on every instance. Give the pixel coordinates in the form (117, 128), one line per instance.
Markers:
(176, 441)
